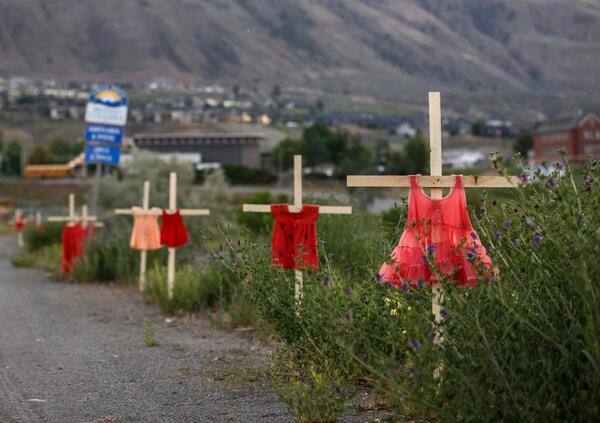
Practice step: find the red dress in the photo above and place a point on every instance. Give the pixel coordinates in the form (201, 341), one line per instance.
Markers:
(20, 224)
(294, 234)
(72, 246)
(438, 231)
(173, 232)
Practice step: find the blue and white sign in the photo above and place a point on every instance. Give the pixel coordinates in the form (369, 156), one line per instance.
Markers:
(109, 134)
(107, 105)
(104, 154)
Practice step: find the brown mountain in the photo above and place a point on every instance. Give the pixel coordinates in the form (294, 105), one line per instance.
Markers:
(381, 47)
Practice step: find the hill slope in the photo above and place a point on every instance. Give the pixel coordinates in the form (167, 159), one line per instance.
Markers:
(381, 47)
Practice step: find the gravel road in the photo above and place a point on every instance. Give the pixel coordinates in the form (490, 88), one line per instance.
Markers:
(76, 353)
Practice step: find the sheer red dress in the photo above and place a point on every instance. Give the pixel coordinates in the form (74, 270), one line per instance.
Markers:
(438, 237)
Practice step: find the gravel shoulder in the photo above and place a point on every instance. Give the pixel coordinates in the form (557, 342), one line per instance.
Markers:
(76, 353)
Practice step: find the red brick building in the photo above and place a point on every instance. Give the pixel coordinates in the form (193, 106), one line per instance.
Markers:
(579, 137)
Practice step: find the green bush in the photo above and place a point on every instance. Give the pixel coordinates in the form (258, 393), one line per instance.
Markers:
(259, 223)
(42, 236)
(241, 175)
(523, 347)
(212, 287)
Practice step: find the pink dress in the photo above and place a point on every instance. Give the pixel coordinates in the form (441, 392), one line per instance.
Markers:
(438, 237)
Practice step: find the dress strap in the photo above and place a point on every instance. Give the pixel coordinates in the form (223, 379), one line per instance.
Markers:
(458, 180)
(413, 181)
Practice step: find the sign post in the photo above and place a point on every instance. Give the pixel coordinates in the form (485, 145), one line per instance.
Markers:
(105, 115)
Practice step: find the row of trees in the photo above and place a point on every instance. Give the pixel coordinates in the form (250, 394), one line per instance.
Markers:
(56, 151)
(320, 144)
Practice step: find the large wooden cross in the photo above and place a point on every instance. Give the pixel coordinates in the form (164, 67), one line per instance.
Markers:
(435, 181)
(295, 208)
(172, 209)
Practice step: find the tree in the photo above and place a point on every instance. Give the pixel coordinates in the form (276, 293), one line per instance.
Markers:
(357, 157)
(275, 92)
(523, 144)
(283, 154)
(477, 127)
(416, 155)
(11, 159)
(315, 140)
(41, 155)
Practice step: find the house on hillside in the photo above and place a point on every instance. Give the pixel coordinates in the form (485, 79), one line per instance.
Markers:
(578, 136)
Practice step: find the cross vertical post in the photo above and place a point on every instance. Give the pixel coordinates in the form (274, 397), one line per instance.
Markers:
(18, 217)
(171, 258)
(144, 253)
(435, 169)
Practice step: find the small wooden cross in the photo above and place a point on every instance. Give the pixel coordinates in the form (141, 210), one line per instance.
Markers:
(295, 208)
(72, 218)
(144, 209)
(172, 209)
(436, 181)
(18, 217)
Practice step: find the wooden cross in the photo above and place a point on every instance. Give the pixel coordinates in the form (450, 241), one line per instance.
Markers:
(18, 217)
(72, 218)
(144, 209)
(435, 181)
(295, 208)
(172, 209)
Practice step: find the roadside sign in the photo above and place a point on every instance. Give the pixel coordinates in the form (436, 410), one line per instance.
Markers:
(109, 134)
(102, 154)
(107, 105)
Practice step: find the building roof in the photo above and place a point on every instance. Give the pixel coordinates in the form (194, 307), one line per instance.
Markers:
(200, 136)
(566, 123)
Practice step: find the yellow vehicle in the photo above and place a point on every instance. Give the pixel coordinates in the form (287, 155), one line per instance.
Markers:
(54, 171)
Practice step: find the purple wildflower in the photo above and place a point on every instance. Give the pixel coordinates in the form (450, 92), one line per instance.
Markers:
(497, 235)
(415, 343)
(444, 314)
(550, 183)
(378, 277)
(221, 248)
(404, 287)
(431, 249)
(507, 225)
(348, 291)
(493, 281)
(239, 243)
(524, 178)
(494, 203)
(488, 249)
(470, 256)
(338, 390)
(234, 261)
(424, 259)
(326, 282)
(420, 284)
(536, 240)
(348, 316)
(474, 235)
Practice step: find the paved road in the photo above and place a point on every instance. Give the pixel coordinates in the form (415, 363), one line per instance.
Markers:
(76, 353)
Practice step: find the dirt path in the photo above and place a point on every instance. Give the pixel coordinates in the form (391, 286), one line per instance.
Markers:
(76, 353)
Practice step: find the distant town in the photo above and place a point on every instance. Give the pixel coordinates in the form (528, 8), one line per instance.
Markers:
(214, 125)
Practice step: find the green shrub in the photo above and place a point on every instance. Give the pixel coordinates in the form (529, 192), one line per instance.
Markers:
(47, 258)
(259, 223)
(194, 290)
(237, 174)
(40, 237)
(310, 396)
